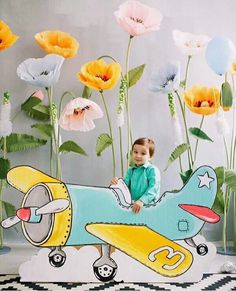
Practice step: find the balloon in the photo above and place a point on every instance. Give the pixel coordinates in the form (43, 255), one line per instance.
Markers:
(220, 54)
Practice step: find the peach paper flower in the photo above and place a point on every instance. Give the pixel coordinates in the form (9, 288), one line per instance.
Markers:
(137, 18)
(58, 42)
(79, 114)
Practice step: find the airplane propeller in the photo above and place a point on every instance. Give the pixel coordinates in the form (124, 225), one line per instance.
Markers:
(26, 213)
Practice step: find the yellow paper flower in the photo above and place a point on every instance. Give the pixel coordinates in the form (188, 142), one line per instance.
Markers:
(99, 75)
(233, 67)
(202, 100)
(57, 42)
(7, 38)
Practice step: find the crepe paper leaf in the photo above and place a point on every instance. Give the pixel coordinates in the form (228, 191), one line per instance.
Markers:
(199, 134)
(177, 152)
(103, 142)
(45, 129)
(87, 92)
(220, 174)
(226, 98)
(4, 168)
(219, 203)
(39, 112)
(30, 103)
(185, 175)
(71, 146)
(21, 142)
(33, 107)
(135, 74)
(9, 208)
(230, 179)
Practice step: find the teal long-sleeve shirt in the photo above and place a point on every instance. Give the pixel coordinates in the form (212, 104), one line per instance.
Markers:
(143, 182)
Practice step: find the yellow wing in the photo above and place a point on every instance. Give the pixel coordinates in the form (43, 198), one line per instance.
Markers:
(146, 246)
(25, 177)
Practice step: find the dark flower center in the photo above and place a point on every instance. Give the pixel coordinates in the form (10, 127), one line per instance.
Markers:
(169, 79)
(208, 103)
(138, 20)
(79, 110)
(44, 73)
(1, 40)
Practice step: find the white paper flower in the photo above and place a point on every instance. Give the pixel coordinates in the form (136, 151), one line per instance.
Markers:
(5, 120)
(167, 78)
(42, 72)
(190, 44)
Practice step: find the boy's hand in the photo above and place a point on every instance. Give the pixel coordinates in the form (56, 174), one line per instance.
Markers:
(114, 181)
(137, 206)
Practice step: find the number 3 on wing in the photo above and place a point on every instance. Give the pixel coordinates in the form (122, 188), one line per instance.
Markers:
(171, 260)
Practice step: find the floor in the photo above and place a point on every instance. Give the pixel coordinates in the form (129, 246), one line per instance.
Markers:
(10, 280)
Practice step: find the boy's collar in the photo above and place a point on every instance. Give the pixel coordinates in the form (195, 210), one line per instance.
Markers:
(143, 166)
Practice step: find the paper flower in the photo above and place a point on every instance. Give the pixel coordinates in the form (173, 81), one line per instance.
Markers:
(38, 94)
(167, 79)
(7, 38)
(99, 75)
(202, 100)
(79, 114)
(42, 72)
(137, 18)
(190, 44)
(57, 42)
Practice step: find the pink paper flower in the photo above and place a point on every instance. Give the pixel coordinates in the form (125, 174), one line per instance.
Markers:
(137, 18)
(38, 94)
(79, 114)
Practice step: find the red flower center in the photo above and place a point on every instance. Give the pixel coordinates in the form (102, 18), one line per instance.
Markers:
(79, 110)
(208, 103)
(103, 77)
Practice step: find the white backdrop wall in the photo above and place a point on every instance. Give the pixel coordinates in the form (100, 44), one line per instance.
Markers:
(93, 24)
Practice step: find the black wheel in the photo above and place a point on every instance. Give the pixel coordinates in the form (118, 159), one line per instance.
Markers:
(104, 273)
(57, 260)
(202, 249)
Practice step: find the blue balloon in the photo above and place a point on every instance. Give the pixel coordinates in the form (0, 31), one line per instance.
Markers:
(220, 54)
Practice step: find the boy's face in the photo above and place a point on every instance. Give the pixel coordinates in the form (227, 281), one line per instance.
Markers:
(140, 154)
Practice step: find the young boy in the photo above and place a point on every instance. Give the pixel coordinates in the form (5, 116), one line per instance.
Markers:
(143, 179)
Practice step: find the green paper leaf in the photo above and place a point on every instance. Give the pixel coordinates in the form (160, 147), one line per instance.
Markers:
(44, 128)
(20, 142)
(199, 134)
(71, 146)
(178, 151)
(30, 103)
(135, 74)
(87, 92)
(220, 174)
(9, 208)
(103, 142)
(34, 108)
(230, 179)
(185, 175)
(4, 168)
(226, 98)
(219, 203)
(39, 112)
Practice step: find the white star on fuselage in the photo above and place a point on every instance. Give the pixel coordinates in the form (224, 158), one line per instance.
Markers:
(205, 180)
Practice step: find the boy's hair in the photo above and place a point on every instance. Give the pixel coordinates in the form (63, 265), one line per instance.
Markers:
(146, 142)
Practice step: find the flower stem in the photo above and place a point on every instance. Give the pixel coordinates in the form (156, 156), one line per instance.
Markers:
(190, 156)
(110, 129)
(54, 135)
(197, 141)
(121, 152)
(129, 140)
(186, 72)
